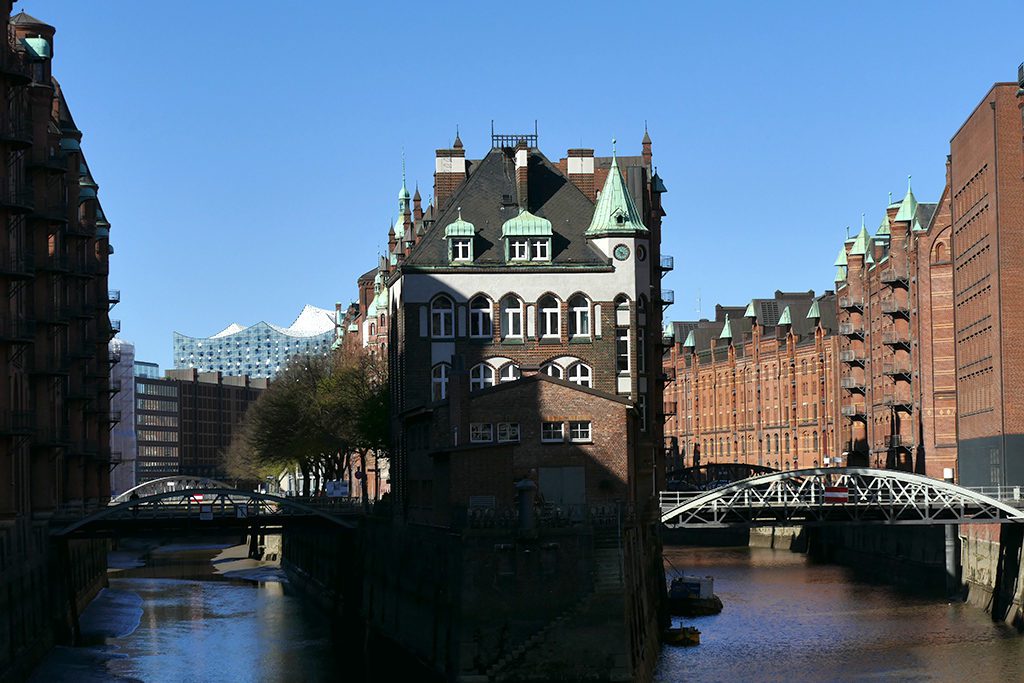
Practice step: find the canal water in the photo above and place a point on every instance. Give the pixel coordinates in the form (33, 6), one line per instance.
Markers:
(195, 613)
(787, 619)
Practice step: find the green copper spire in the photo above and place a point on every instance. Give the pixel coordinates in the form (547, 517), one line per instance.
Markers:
(908, 207)
(403, 194)
(869, 259)
(814, 313)
(840, 274)
(917, 227)
(727, 330)
(841, 259)
(460, 228)
(690, 341)
(615, 213)
(863, 241)
(785, 318)
(883, 228)
(749, 313)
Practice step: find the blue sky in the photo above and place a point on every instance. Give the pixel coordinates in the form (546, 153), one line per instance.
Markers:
(249, 154)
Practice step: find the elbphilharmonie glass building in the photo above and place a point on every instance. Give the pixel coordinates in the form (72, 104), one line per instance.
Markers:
(260, 350)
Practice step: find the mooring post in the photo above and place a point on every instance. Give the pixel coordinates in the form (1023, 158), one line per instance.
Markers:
(952, 547)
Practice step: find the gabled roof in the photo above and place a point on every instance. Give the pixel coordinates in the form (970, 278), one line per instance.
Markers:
(840, 274)
(814, 312)
(908, 207)
(841, 259)
(862, 243)
(485, 200)
(749, 313)
(615, 213)
(786, 318)
(727, 330)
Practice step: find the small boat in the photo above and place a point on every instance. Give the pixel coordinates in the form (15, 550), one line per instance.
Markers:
(684, 635)
(693, 596)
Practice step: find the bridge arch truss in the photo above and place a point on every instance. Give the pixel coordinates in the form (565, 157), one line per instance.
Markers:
(173, 483)
(824, 496)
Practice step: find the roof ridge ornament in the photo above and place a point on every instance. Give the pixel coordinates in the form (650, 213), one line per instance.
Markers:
(615, 212)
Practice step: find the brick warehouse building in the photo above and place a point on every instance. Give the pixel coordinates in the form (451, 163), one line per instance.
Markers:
(987, 204)
(54, 403)
(757, 385)
(895, 315)
(521, 315)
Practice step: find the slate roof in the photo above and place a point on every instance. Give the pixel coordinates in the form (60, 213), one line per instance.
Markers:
(487, 199)
(25, 19)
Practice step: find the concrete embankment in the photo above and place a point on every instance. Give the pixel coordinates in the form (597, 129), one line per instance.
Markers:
(992, 570)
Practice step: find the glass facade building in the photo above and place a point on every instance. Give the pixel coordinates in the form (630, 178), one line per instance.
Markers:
(260, 350)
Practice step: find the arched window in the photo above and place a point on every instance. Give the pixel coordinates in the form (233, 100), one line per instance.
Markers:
(622, 304)
(814, 441)
(480, 317)
(579, 317)
(550, 317)
(775, 440)
(373, 329)
(442, 318)
(382, 320)
(785, 440)
(481, 377)
(510, 372)
(511, 318)
(580, 373)
(552, 370)
(439, 382)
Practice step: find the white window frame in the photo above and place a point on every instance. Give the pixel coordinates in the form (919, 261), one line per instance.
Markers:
(481, 432)
(581, 431)
(547, 435)
(553, 370)
(518, 249)
(508, 432)
(622, 334)
(510, 313)
(550, 319)
(462, 248)
(442, 319)
(581, 374)
(481, 377)
(509, 373)
(579, 317)
(481, 323)
(540, 249)
(439, 378)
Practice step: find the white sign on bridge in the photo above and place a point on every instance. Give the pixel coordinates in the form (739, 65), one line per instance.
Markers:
(206, 512)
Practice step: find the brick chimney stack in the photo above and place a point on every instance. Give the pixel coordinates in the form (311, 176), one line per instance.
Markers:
(522, 175)
(580, 167)
(449, 171)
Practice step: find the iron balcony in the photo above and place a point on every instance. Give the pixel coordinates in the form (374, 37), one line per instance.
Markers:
(113, 297)
(17, 422)
(851, 356)
(115, 327)
(896, 370)
(851, 329)
(893, 308)
(667, 297)
(894, 401)
(667, 263)
(899, 441)
(18, 198)
(19, 330)
(854, 412)
(852, 383)
(894, 338)
(849, 303)
(18, 265)
(893, 277)
(55, 212)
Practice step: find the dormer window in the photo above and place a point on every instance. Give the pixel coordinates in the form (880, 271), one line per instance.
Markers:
(460, 235)
(518, 249)
(462, 249)
(540, 250)
(527, 238)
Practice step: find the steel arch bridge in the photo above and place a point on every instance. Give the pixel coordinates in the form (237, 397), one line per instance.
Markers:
(827, 496)
(173, 483)
(211, 510)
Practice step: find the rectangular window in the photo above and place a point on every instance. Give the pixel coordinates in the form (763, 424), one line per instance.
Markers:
(514, 322)
(481, 432)
(461, 249)
(579, 432)
(641, 407)
(539, 250)
(641, 357)
(518, 250)
(622, 349)
(508, 432)
(552, 432)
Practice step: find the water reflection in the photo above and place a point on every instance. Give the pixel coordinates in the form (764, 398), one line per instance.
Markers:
(786, 619)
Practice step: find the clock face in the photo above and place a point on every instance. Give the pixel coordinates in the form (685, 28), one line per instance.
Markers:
(621, 252)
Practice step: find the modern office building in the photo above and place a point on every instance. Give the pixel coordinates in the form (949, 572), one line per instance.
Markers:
(260, 350)
(147, 369)
(185, 420)
(55, 388)
(756, 385)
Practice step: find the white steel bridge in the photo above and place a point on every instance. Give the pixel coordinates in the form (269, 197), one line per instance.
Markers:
(847, 495)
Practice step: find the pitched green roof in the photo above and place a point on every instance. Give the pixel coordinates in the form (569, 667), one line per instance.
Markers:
(908, 207)
(668, 331)
(615, 213)
(841, 259)
(749, 313)
(37, 48)
(690, 341)
(727, 330)
(785, 318)
(917, 227)
(840, 274)
(460, 228)
(814, 313)
(883, 228)
(869, 259)
(863, 241)
(526, 224)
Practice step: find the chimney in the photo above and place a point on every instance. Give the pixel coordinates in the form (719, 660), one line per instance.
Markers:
(449, 172)
(580, 165)
(522, 175)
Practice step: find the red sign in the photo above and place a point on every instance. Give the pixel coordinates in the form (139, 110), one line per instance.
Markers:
(837, 494)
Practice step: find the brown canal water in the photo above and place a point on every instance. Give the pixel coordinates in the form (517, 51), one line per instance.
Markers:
(790, 620)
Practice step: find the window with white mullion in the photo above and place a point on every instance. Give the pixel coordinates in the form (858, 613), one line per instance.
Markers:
(579, 317)
(550, 318)
(442, 317)
(481, 377)
(511, 318)
(462, 249)
(518, 250)
(480, 318)
(540, 250)
(580, 374)
(622, 350)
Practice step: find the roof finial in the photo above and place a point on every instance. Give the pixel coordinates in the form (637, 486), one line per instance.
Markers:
(403, 166)
(613, 148)
(908, 182)
(460, 213)
(863, 225)
(890, 197)
(847, 232)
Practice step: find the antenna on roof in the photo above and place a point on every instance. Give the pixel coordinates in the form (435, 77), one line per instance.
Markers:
(698, 304)
(535, 132)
